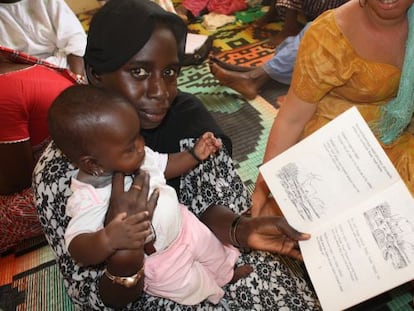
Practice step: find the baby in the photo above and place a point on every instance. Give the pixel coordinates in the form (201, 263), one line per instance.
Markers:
(99, 132)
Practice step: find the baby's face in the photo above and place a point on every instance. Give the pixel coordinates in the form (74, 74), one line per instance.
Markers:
(121, 147)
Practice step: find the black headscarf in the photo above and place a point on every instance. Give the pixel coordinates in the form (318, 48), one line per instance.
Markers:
(122, 27)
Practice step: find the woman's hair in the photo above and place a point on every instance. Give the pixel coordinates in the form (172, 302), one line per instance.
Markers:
(121, 28)
(75, 118)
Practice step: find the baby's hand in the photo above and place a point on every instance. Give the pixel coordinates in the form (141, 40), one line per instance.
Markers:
(207, 145)
(128, 232)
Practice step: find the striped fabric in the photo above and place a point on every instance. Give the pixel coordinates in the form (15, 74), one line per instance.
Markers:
(21, 208)
(312, 9)
(23, 58)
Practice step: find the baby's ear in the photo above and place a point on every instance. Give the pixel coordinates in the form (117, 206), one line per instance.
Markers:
(90, 165)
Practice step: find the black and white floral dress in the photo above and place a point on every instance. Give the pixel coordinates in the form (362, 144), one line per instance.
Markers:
(271, 286)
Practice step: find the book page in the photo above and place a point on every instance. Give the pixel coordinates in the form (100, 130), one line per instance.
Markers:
(367, 251)
(339, 165)
(194, 42)
(339, 185)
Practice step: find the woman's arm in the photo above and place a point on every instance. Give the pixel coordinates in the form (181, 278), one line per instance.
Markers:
(76, 64)
(285, 132)
(126, 263)
(260, 233)
(16, 166)
(122, 263)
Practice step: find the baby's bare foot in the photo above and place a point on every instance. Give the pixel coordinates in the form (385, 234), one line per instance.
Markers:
(241, 272)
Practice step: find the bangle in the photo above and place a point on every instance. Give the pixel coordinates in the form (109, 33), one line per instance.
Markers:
(192, 152)
(232, 232)
(127, 281)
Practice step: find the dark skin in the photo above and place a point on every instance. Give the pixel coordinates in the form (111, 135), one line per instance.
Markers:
(16, 167)
(127, 262)
(245, 80)
(16, 160)
(76, 64)
(291, 26)
(149, 81)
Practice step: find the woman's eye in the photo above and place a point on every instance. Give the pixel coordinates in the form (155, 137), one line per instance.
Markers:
(139, 72)
(170, 72)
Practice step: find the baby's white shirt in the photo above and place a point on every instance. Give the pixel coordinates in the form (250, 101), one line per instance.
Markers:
(88, 205)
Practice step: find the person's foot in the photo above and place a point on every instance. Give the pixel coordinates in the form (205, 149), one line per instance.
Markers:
(241, 272)
(228, 66)
(247, 83)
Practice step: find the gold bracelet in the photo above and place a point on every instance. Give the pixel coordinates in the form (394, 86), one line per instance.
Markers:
(127, 281)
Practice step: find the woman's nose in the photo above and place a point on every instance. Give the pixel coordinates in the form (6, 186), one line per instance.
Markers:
(157, 87)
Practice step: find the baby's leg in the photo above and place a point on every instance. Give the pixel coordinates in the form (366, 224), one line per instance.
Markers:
(241, 272)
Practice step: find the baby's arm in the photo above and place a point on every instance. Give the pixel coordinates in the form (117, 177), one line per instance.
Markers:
(121, 233)
(182, 162)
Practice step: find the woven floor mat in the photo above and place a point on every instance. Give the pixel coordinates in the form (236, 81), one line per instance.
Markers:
(251, 55)
(32, 281)
(246, 122)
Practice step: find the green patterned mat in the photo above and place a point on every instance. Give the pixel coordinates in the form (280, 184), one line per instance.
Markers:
(246, 122)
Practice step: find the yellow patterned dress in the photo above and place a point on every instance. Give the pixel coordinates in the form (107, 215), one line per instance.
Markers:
(329, 73)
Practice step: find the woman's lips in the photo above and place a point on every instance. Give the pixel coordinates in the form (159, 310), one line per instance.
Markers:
(388, 4)
(155, 117)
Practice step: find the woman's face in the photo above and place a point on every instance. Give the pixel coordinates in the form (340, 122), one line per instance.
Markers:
(149, 78)
(389, 10)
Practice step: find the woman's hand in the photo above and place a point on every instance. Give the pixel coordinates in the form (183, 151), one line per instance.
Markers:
(270, 208)
(128, 261)
(271, 234)
(260, 197)
(132, 201)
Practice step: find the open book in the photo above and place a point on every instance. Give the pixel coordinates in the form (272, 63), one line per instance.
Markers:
(339, 185)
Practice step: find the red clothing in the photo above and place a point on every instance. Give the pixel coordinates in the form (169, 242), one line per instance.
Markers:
(225, 7)
(25, 98)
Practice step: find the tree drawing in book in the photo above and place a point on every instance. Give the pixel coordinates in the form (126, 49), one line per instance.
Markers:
(393, 234)
(301, 190)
